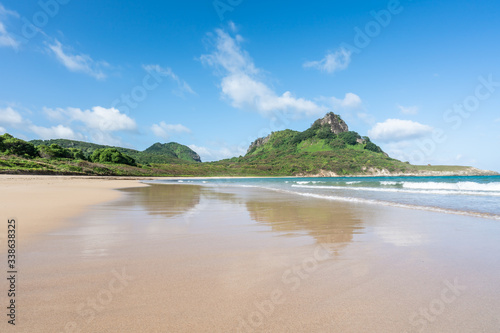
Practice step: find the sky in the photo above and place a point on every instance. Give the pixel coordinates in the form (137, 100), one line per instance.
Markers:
(420, 78)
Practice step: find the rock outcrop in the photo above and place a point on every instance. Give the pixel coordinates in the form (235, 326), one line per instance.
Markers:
(257, 143)
(336, 123)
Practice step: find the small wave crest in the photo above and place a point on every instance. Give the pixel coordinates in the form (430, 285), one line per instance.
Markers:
(405, 190)
(460, 186)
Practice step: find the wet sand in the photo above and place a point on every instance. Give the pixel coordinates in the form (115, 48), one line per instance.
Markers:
(185, 258)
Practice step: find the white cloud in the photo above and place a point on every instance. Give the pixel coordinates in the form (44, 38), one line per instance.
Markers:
(408, 109)
(182, 85)
(398, 130)
(209, 154)
(350, 101)
(56, 132)
(241, 83)
(98, 121)
(10, 117)
(332, 62)
(2, 130)
(78, 62)
(98, 118)
(6, 38)
(102, 119)
(164, 130)
(54, 114)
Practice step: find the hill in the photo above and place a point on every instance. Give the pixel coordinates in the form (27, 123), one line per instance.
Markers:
(180, 151)
(326, 148)
(171, 153)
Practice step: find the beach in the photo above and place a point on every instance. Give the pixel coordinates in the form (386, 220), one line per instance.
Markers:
(118, 255)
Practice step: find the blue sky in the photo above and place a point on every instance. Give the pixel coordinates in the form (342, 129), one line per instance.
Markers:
(421, 78)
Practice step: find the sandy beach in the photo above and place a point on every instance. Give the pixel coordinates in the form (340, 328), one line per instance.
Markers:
(42, 203)
(188, 258)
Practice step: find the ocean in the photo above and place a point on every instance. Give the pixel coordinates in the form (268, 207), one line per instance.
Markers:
(465, 195)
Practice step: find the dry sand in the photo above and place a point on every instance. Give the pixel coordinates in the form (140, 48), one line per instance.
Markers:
(177, 258)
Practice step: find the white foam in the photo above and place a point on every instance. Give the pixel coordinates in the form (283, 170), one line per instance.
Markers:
(422, 191)
(388, 183)
(393, 204)
(460, 186)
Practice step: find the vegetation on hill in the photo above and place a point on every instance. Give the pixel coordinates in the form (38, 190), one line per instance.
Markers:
(111, 155)
(315, 151)
(183, 152)
(158, 153)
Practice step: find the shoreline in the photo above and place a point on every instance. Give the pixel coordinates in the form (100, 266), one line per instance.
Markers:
(43, 203)
(369, 202)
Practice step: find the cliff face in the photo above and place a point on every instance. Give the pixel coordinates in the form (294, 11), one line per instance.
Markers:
(259, 142)
(336, 123)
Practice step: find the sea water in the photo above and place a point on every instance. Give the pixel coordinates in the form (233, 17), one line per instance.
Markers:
(468, 195)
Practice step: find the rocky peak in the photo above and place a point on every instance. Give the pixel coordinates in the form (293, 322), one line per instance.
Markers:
(336, 123)
(259, 142)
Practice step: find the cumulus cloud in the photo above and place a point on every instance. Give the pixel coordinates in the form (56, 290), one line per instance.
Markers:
(350, 101)
(2, 130)
(56, 132)
(241, 83)
(408, 109)
(332, 62)
(209, 154)
(183, 86)
(97, 118)
(393, 130)
(10, 117)
(6, 38)
(100, 122)
(164, 130)
(77, 62)
(103, 119)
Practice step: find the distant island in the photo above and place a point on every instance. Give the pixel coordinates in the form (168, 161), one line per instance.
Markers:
(327, 149)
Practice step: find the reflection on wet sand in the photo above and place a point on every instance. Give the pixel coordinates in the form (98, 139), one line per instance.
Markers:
(161, 200)
(286, 215)
(326, 222)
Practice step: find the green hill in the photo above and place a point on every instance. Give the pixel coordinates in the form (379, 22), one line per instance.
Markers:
(180, 151)
(326, 147)
(168, 153)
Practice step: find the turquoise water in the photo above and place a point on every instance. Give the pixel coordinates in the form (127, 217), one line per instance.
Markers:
(470, 195)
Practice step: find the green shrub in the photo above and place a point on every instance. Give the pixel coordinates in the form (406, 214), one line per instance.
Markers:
(373, 147)
(77, 154)
(111, 155)
(326, 133)
(54, 151)
(350, 137)
(13, 146)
